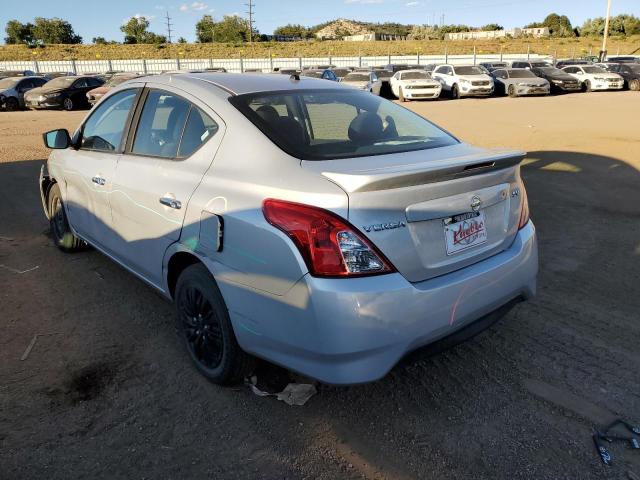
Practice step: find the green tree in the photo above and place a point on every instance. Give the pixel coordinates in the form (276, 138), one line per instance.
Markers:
(99, 41)
(18, 32)
(620, 25)
(293, 30)
(205, 29)
(54, 30)
(491, 27)
(182, 40)
(136, 31)
(559, 25)
(232, 29)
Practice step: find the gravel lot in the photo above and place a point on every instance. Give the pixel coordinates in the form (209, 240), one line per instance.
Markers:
(107, 391)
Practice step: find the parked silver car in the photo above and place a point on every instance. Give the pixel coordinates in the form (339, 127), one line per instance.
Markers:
(12, 90)
(517, 82)
(363, 81)
(314, 225)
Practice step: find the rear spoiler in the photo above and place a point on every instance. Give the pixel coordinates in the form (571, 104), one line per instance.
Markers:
(427, 172)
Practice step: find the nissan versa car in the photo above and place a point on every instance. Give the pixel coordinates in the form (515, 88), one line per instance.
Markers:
(13, 89)
(313, 225)
(517, 82)
(559, 80)
(67, 93)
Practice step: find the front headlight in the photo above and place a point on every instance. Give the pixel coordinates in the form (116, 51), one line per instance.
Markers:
(51, 95)
(557, 82)
(465, 81)
(600, 79)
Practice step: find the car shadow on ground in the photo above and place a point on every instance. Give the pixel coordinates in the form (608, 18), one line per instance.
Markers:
(467, 412)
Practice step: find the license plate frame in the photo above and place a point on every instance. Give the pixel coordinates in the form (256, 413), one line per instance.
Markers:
(464, 231)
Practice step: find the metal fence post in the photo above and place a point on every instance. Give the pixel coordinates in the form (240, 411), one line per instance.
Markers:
(211, 63)
(501, 54)
(110, 67)
(177, 63)
(389, 59)
(241, 65)
(299, 63)
(359, 60)
(528, 52)
(73, 67)
(270, 61)
(446, 55)
(474, 54)
(36, 67)
(144, 66)
(330, 60)
(418, 58)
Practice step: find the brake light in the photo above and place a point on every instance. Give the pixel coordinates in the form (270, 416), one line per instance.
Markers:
(524, 211)
(330, 246)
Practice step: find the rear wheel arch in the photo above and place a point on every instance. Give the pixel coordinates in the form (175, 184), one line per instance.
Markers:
(177, 264)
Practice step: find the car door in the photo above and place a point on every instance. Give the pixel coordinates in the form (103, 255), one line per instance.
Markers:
(89, 171)
(172, 146)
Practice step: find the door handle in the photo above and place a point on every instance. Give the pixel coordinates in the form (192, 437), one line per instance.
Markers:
(99, 180)
(171, 202)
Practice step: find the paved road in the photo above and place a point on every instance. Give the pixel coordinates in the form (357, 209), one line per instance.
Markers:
(107, 392)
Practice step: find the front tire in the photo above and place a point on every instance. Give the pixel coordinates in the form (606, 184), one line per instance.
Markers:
(67, 104)
(634, 85)
(586, 86)
(401, 96)
(11, 104)
(205, 326)
(455, 92)
(62, 235)
(512, 91)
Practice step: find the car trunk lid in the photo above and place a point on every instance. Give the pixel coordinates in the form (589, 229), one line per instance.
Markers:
(434, 211)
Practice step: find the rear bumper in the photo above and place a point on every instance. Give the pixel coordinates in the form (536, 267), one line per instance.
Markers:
(353, 331)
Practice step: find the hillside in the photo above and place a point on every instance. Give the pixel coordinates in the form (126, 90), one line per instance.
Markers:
(562, 47)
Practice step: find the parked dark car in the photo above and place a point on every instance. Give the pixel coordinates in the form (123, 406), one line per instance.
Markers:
(12, 90)
(491, 66)
(342, 72)
(530, 65)
(68, 93)
(286, 71)
(572, 61)
(430, 67)
(323, 74)
(396, 67)
(624, 59)
(16, 73)
(629, 71)
(559, 80)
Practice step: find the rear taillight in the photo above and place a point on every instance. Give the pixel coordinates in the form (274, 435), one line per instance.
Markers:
(524, 211)
(330, 246)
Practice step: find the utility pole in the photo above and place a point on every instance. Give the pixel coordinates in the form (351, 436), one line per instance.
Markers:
(250, 12)
(169, 25)
(603, 52)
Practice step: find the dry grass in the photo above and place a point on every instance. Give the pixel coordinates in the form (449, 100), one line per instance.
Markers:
(562, 47)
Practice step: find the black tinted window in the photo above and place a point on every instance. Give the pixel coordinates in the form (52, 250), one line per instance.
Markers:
(103, 131)
(161, 124)
(200, 127)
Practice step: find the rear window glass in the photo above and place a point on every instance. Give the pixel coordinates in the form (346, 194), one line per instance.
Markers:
(469, 71)
(334, 124)
(357, 77)
(521, 74)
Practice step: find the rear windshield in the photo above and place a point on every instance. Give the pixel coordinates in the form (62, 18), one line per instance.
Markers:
(521, 74)
(333, 124)
(383, 73)
(469, 71)
(415, 76)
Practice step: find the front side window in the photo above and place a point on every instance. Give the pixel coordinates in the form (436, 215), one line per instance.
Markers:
(161, 124)
(81, 83)
(334, 124)
(105, 127)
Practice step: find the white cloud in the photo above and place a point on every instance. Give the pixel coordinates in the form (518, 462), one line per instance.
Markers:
(184, 7)
(195, 7)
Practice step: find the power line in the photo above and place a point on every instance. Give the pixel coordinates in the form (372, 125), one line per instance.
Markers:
(250, 12)
(169, 25)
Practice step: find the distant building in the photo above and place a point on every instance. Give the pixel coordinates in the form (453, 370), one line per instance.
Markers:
(513, 32)
(371, 37)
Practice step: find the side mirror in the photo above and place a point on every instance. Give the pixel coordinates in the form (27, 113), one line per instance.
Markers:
(57, 139)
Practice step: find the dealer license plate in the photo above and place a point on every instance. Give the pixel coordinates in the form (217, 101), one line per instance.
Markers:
(464, 231)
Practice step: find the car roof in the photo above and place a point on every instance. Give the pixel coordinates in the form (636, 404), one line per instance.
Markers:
(413, 70)
(239, 84)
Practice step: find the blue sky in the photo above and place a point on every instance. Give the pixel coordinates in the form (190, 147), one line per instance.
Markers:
(103, 18)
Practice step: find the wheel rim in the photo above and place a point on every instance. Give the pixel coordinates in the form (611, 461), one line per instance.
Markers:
(201, 326)
(57, 218)
(68, 104)
(11, 104)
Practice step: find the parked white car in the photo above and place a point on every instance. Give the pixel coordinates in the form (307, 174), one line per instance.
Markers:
(464, 80)
(595, 78)
(414, 85)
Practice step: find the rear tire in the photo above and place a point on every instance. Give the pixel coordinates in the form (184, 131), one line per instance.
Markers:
(11, 104)
(204, 324)
(586, 86)
(634, 85)
(512, 91)
(67, 104)
(62, 235)
(455, 92)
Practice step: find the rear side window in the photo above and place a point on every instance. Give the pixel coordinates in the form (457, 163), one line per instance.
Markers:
(161, 124)
(335, 123)
(200, 127)
(105, 127)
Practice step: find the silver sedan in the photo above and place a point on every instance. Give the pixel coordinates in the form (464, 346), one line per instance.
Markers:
(517, 82)
(319, 227)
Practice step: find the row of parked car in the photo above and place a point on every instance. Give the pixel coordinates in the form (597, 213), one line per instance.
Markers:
(406, 82)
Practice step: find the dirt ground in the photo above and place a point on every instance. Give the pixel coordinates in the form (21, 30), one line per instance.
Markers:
(108, 392)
